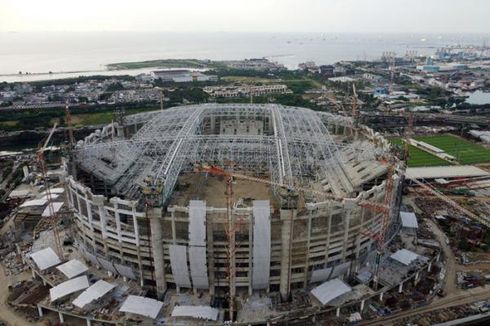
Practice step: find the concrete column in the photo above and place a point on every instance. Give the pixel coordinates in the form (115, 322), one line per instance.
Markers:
(400, 288)
(60, 315)
(381, 296)
(89, 322)
(120, 131)
(138, 245)
(337, 312)
(287, 217)
(40, 311)
(250, 253)
(155, 216)
(307, 258)
(362, 306)
(210, 245)
(416, 278)
(99, 201)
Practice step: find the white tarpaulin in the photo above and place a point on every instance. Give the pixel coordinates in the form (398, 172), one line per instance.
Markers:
(197, 244)
(197, 223)
(68, 287)
(178, 263)
(96, 291)
(72, 268)
(56, 208)
(45, 258)
(199, 312)
(142, 306)
(261, 244)
(199, 270)
(330, 290)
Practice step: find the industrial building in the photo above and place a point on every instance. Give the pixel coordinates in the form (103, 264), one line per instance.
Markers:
(230, 198)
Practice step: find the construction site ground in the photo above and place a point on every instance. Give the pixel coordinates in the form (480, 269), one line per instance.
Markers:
(213, 189)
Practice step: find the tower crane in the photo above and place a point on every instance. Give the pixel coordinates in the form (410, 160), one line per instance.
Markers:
(385, 207)
(53, 216)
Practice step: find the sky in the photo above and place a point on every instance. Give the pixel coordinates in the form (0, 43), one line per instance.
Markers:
(324, 16)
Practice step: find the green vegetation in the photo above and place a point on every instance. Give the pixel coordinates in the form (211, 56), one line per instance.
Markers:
(164, 63)
(32, 119)
(419, 157)
(465, 152)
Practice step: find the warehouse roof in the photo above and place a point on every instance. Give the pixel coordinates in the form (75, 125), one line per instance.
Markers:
(45, 258)
(142, 306)
(34, 202)
(94, 292)
(72, 268)
(330, 290)
(47, 211)
(404, 256)
(452, 171)
(53, 191)
(200, 312)
(68, 287)
(20, 193)
(51, 197)
(409, 220)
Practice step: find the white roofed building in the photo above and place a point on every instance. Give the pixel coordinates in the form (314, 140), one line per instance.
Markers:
(45, 258)
(330, 290)
(142, 306)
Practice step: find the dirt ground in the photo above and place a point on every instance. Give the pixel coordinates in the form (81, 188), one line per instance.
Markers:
(7, 314)
(212, 189)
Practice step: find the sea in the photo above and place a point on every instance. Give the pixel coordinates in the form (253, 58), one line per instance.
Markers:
(71, 54)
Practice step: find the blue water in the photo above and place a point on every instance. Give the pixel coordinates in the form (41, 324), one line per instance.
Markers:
(91, 51)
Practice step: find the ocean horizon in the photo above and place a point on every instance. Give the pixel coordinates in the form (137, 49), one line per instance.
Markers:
(69, 54)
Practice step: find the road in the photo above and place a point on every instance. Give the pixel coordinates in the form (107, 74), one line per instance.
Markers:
(450, 282)
(462, 297)
(454, 295)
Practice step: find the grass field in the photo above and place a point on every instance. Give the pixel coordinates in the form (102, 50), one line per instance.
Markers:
(465, 152)
(420, 158)
(98, 118)
(10, 123)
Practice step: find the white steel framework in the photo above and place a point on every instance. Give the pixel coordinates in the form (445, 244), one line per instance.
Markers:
(291, 145)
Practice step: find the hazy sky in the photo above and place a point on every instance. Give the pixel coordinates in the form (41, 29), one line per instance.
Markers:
(247, 15)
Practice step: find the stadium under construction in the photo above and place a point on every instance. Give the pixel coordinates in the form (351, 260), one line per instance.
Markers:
(233, 199)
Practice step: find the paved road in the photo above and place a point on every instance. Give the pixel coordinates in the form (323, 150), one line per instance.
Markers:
(462, 297)
(450, 282)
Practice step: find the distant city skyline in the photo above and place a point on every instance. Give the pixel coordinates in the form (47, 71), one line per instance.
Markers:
(334, 16)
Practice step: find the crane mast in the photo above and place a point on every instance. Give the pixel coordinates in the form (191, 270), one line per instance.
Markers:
(53, 216)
